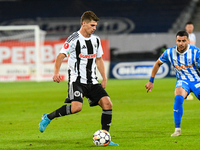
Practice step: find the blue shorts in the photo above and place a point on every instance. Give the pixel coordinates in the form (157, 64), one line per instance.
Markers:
(189, 86)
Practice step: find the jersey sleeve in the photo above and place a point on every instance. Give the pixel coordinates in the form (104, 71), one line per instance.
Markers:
(66, 48)
(164, 57)
(100, 49)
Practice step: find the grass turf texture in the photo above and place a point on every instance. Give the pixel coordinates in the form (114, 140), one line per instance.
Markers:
(140, 121)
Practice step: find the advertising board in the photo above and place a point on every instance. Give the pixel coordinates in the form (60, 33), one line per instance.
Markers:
(139, 70)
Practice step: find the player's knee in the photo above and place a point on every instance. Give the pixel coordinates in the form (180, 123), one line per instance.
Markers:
(110, 105)
(106, 104)
(76, 109)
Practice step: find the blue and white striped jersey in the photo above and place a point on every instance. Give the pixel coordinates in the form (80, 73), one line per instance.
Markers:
(185, 64)
(82, 53)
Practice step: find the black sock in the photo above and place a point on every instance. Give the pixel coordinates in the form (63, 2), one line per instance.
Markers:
(106, 119)
(62, 111)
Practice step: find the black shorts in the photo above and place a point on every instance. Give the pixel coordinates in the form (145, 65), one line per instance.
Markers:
(93, 92)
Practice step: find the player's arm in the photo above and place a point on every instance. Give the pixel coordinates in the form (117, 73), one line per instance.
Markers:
(57, 77)
(149, 85)
(101, 68)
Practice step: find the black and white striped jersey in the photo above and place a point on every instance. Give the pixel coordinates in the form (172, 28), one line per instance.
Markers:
(82, 53)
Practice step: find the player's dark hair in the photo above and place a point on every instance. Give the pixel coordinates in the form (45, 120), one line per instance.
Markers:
(189, 22)
(182, 33)
(89, 16)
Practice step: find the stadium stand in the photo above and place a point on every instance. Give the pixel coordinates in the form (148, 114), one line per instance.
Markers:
(196, 17)
(185, 16)
(147, 15)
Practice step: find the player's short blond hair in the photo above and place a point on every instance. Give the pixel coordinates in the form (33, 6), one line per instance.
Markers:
(89, 16)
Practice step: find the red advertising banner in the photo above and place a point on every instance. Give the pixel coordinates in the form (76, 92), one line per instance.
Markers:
(18, 60)
(24, 52)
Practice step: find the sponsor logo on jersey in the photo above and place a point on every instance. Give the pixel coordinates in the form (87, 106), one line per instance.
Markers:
(66, 45)
(87, 56)
(183, 66)
(83, 47)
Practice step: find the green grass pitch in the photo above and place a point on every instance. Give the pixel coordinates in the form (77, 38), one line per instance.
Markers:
(141, 121)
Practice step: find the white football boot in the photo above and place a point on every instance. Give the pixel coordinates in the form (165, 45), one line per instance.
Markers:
(177, 132)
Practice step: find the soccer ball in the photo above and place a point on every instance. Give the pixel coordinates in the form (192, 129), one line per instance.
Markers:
(101, 138)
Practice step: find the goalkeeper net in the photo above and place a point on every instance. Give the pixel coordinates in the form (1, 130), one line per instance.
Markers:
(20, 53)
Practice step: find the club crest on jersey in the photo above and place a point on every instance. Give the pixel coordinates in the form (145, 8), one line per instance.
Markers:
(77, 94)
(87, 56)
(66, 45)
(189, 61)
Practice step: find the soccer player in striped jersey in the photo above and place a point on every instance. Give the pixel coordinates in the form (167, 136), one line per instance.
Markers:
(185, 59)
(84, 52)
(189, 27)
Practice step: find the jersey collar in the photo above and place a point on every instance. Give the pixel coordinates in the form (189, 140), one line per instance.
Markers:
(183, 52)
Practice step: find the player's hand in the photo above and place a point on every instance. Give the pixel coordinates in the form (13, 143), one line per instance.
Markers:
(104, 83)
(57, 78)
(149, 86)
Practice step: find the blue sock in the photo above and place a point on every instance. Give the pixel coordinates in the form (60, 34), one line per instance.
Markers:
(178, 110)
